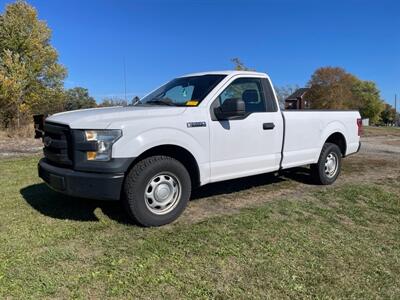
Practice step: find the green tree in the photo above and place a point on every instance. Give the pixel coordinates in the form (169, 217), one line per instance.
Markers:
(388, 114)
(367, 100)
(78, 98)
(31, 79)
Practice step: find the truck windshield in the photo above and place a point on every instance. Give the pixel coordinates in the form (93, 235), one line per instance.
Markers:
(183, 91)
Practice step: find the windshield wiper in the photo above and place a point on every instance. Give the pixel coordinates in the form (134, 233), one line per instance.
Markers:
(160, 102)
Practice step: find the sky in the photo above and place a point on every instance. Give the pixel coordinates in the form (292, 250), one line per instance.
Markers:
(158, 40)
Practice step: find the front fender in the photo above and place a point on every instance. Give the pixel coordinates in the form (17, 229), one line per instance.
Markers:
(134, 144)
(130, 146)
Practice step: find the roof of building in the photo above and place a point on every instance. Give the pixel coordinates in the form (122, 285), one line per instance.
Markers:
(299, 93)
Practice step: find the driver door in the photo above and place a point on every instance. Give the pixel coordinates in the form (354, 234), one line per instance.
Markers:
(250, 144)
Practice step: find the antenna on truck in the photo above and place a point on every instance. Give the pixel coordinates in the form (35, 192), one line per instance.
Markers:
(125, 78)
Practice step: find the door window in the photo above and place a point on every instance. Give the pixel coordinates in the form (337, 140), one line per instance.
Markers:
(249, 90)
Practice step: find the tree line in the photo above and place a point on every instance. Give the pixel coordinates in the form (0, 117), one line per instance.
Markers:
(32, 78)
(335, 88)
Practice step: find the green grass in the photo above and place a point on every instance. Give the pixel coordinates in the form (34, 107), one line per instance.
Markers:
(335, 243)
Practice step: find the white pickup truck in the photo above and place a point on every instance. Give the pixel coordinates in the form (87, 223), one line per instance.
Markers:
(194, 130)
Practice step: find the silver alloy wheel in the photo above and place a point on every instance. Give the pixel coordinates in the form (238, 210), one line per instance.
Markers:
(162, 193)
(331, 165)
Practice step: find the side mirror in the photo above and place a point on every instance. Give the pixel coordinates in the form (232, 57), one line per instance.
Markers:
(232, 107)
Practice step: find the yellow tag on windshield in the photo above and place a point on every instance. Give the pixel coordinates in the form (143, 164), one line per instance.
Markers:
(192, 103)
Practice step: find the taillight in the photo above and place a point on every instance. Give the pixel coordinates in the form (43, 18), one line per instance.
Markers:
(359, 125)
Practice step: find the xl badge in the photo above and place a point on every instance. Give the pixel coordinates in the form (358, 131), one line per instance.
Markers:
(196, 124)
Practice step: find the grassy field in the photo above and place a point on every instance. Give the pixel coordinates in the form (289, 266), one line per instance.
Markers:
(372, 131)
(340, 242)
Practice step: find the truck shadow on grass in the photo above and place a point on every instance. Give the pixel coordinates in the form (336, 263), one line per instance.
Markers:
(63, 207)
(298, 174)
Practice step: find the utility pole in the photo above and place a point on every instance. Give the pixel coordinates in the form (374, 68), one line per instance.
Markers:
(395, 110)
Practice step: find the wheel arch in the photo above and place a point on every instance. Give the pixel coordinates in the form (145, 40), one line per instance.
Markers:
(338, 139)
(179, 153)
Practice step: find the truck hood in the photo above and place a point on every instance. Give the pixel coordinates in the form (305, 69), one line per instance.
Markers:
(102, 118)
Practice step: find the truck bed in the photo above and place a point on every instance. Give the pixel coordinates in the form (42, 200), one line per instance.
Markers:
(307, 130)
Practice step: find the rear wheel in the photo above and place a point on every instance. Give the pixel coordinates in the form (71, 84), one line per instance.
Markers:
(156, 191)
(327, 169)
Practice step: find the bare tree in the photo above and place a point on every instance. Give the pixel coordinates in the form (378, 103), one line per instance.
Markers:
(239, 65)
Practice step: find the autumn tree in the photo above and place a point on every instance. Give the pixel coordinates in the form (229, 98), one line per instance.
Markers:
(78, 98)
(14, 78)
(331, 88)
(334, 88)
(31, 79)
(107, 102)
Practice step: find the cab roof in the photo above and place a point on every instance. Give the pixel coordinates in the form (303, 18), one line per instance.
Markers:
(227, 72)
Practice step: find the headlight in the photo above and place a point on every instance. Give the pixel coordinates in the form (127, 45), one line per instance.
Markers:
(104, 139)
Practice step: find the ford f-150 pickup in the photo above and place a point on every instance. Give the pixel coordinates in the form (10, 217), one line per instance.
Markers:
(194, 130)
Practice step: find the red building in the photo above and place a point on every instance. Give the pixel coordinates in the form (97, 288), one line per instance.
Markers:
(297, 100)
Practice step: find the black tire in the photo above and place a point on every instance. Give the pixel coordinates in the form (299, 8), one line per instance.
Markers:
(320, 172)
(140, 176)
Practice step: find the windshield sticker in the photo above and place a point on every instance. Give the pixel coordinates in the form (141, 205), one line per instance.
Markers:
(192, 103)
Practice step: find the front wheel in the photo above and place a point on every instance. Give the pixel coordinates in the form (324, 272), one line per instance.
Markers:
(327, 169)
(156, 191)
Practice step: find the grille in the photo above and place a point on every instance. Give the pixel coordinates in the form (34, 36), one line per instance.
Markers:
(57, 144)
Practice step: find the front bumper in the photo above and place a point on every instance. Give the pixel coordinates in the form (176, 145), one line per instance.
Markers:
(82, 184)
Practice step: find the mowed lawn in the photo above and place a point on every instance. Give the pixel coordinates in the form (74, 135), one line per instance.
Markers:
(338, 242)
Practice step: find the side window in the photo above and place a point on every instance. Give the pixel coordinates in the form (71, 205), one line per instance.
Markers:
(249, 90)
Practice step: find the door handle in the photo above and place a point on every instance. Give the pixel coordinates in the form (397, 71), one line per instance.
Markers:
(268, 126)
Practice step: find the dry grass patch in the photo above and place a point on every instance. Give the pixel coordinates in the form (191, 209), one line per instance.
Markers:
(371, 131)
